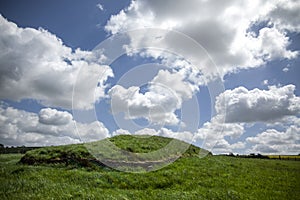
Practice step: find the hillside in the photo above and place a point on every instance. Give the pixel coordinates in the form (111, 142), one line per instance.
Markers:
(72, 172)
(123, 152)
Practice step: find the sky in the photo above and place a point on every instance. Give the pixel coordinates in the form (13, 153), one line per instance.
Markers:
(223, 75)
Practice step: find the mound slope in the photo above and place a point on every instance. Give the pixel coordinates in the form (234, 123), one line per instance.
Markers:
(123, 152)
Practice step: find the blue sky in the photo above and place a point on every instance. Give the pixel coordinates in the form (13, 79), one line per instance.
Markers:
(78, 24)
(203, 72)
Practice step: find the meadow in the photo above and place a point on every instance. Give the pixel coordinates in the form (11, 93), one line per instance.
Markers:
(189, 177)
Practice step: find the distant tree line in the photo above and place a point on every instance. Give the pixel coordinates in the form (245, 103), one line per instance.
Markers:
(251, 155)
(20, 149)
(278, 157)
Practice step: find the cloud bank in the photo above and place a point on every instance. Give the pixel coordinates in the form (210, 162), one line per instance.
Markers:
(240, 107)
(224, 29)
(35, 64)
(48, 127)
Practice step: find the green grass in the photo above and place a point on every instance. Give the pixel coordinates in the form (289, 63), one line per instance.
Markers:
(140, 144)
(190, 177)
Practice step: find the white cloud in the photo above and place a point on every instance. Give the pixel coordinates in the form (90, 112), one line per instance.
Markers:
(286, 69)
(156, 108)
(49, 127)
(144, 131)
(92, 131)
(166, 93)
(54, 117)
(174, 82)
(211, 135)
(265, 82)
(100, 6)
(35, 64)
(147, 131)
(221, 28)
(120, 132)
(278, 106)
(243, 105)
(222, 146)
(180, 135)
(286, 15)
(273, 141)
(272, 44)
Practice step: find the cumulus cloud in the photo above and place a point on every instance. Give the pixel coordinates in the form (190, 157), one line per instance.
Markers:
(180, 135)
(211, 135)
(243, 105)
(49, 127)
(286, 15)
(271, 44)
(237, 108)
(175, 82)
(156, 108)
(165, 95)
(54, 117)
(120, 132)
(92, 131)
(35, 64)
(223, 146)
(223, 29)
(147, 131)
(144, 131)
(273, 141)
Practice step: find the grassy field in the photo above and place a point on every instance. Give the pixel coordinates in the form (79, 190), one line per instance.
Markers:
(190, 177)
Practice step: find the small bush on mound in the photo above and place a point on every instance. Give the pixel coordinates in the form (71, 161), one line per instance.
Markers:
(70, 155)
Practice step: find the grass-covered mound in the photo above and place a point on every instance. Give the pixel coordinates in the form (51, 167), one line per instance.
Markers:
(146, 144)
(123, 152)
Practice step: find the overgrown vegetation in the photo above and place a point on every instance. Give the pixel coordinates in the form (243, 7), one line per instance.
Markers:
(190, 177)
